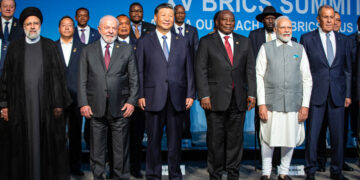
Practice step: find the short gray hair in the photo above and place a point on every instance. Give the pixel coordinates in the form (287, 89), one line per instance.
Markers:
(324, 7)
(107, 17)
(280, 18)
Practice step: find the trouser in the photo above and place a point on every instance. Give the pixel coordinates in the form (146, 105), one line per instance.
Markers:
(267, 153)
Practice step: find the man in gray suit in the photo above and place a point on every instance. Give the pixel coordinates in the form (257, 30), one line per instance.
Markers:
(107, 92)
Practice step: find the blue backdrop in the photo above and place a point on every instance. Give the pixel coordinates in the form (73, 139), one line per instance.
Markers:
(200, 14)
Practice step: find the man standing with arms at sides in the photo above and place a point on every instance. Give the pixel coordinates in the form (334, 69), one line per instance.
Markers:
(167, 89)
(33, 95)
(226, 86)
(107, 92)
(83, 32)
(70, 51)
(138, 26)
(10, 27)
(330, 64)
(283, 97)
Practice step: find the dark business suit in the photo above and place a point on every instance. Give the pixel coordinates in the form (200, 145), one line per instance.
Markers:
(16, 31)
(228, 87)
(72, 113)
(331, 85)
(106, 92)
(145, 28)
(93, 36)
(356, 54)
(165, 85)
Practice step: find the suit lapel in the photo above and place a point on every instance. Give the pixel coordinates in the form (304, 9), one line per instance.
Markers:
(114, 54)
(319, 46)
(61, 53)
(74, 51)
(236, 56)
(156, 42)
(262, 38)
(220, 45)
(100, 55)
(173, 45)
(338, 44)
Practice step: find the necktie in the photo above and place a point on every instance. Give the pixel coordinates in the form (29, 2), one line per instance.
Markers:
(137, 33)
(180, 31)
(107, 56)
(269, 38)
(228, 49)
(124, 41)
(82, 37)
(165, 48)
(6, 31)
(329, 48)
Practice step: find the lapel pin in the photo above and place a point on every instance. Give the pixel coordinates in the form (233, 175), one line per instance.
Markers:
(92, 35)
(134, 48)
(296, 57)
(177, 37)
(237, 42)
(117, 46)
(144, 30)
(187, 31)
(74, 50)
(5, 47)
(14, 24)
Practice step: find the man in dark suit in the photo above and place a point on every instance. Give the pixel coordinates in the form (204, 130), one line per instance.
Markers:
(166, 90)
(70, 50)
(226, 86)
(138, 26)
(83, 32)
(330, 64)
(10, 28)
(107, 92)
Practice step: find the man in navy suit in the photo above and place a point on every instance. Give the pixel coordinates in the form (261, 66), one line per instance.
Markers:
(84, 33)
(166, 90)
(330, 64)
(10, 28)
(70, 51)
(138, 26)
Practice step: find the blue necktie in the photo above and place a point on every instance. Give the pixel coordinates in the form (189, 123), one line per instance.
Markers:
(6, 31)
(165, 48)
(329, 49)
(180, 31)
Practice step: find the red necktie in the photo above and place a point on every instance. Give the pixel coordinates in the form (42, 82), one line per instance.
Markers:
(228, 49)
(107, 56)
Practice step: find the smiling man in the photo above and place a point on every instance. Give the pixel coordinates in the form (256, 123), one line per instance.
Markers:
(138, 26)
(10, 27)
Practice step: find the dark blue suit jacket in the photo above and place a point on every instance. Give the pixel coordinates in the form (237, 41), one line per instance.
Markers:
(160, 78)
(71, 71)
(16, 31)
(94, 35)
(191, 34)
(335, 78)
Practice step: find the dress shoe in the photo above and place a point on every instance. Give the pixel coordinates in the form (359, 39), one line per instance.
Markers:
(265, 177)
(136, 174)
(286, 177)
(338, 177)
(77, 172)
(310, 177)
(346, 167)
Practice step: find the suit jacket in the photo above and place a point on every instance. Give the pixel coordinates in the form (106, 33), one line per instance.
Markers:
(72, 70)
(160, 79)
(335, 78)
(191, 34)
(119, 83)
(215, 75)
(258, 38)
(93, 36)
(16, 31)
(145, 28)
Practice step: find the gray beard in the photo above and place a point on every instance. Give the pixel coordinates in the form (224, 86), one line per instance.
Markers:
(32, 36)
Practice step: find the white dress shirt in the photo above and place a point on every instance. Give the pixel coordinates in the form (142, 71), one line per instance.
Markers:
(168, 39)
(272, 34)
(32, 41)
(231, 40)
(9, 25)
(127, 39)
(103, 47)
(323, 40)
(177, 29)
(86, 32)
(66, 50)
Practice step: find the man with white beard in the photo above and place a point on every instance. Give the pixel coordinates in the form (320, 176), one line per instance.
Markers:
(284, 85)
(107, 93)
(33, 95)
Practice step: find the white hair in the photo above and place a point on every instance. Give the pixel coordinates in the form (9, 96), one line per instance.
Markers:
(108, 17)
(280, 18)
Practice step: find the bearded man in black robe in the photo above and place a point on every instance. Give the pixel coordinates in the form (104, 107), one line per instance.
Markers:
(33, 95)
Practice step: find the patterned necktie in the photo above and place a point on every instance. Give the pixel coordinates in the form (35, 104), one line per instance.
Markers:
(180, 31)
(330, 50)
(269, 38)
(165, 48)
(82, 37)
(228, 49)
(6, 31)
(137, 33)
(107, 56)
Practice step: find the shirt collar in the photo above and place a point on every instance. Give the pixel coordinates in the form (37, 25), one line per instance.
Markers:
(62, 42)
(324, 33)
(223, 35)
(103, 43)
(3, 20)
(279, 43)
(140, 23)
(176, 26)
(127, 39)
(266, 32)
(87, 28)
(160, 35)
(32, 41)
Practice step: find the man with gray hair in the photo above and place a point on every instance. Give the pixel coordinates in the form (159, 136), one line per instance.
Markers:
(107, 92)
(284, 85)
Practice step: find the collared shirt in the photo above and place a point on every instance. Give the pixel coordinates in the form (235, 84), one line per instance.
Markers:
(273, 35)
(231, 40)
(127, 39)
(139, 27)
(103, 46)
(9, 25)
(32, 41)
(177, 29)
(66, 50)
(168, 39)
(86, 32)
(323, 40)
(261, 64)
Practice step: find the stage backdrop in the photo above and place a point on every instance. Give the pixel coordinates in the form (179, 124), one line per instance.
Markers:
(199, 13)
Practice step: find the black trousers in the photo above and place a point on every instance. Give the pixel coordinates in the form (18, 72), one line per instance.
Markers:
(119, 128)
(225, 141)
(137, 129)
(74, 119)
